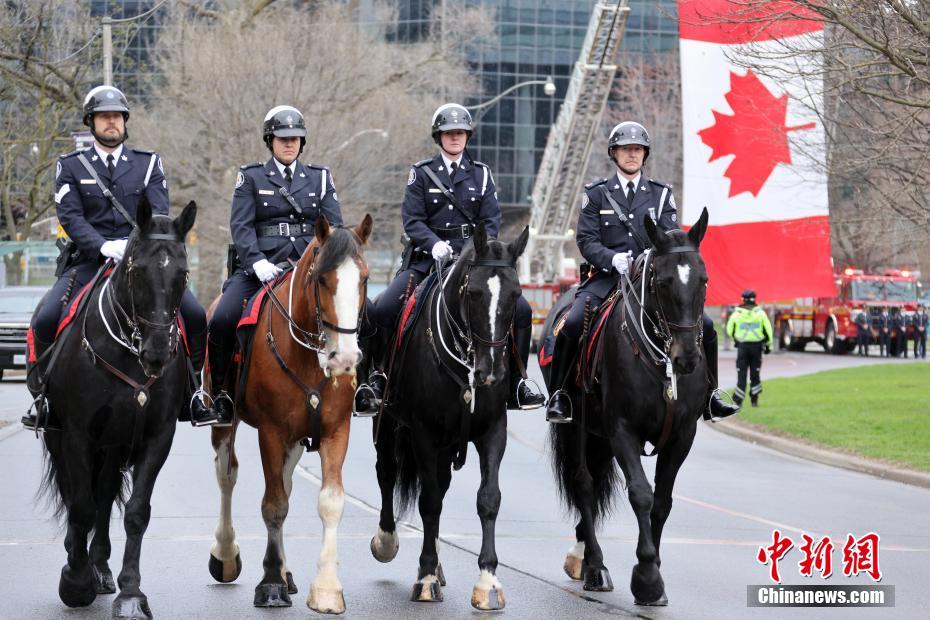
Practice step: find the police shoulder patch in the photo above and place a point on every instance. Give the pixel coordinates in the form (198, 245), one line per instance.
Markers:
(412, 176)
(240, 179)
(584, 200)
(58, 169)
(595, 183)
(252, 165)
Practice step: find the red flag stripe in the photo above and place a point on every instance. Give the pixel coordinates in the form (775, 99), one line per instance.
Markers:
(728, 22)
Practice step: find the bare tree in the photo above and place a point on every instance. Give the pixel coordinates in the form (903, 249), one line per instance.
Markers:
(367, 104)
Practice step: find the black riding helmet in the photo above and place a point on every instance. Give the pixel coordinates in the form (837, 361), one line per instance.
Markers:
(105, 99)
(451, 116)
(628, 132)
(749, 295)
(284, 121)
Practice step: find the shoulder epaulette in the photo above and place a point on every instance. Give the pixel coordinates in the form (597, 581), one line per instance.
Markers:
(422, 163)
(480, 163)
(660, 183)
(141, 151)
(595, 183)
(318, 166)
(252, 165)
(72, 154)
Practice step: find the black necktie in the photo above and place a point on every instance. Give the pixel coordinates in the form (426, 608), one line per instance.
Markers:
(630, 191)
(110, 165)
(287, 176)
(453, 168)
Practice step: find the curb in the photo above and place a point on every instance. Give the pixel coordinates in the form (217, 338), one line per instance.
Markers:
(10, 430)
(823, 455)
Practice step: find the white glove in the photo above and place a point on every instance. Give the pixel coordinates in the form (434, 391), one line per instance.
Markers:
(621, 262)
(114, 249)
(442, 250)
(266, 271)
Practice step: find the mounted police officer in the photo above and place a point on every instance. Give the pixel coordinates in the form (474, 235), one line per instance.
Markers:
(98, 230)
(920, 322)
(863, 332)
(751, 330)
(275, 206)
(437, 227)
(609, 246)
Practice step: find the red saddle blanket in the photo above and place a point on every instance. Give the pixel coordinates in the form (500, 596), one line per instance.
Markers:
(591, 342)
(414, 307)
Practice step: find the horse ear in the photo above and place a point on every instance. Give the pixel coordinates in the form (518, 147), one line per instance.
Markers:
(696, 234)
(481, 239)
(143, 213)
(652, 232)
(184, 222)
(517, 246)
(363, 230)
(321, 229)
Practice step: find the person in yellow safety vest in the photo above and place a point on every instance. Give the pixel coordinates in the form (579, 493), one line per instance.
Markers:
(750, 329)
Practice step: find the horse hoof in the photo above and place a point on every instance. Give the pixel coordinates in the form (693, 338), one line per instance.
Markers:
(384, 545)
(103, 580)
(598, 580)
(76, 589)
(572, 567)
(427, 591)
(291, 586)
(661, 602)
(271, 595)
(647, 585)
(441, 576)
(326, 601)
(131, 608)
(225, 572)
(488, 593)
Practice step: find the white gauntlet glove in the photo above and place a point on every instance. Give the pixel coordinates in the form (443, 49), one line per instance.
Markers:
(265, 271)
(114, 249)
(621, 262)
(441, 250)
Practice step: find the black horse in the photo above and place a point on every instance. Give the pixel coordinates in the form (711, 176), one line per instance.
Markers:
(116, 391)
(649, 385)
(453, 390)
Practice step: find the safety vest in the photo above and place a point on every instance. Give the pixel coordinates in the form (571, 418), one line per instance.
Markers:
(750, 325)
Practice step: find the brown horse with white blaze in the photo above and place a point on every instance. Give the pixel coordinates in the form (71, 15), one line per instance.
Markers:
(303, 359)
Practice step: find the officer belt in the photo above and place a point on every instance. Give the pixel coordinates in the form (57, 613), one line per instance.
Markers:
(285, 229)
(459, 232)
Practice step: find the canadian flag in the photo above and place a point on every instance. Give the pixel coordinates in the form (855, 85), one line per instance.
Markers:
(754, 149)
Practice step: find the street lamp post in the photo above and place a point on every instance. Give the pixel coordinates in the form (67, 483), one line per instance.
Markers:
(548, 90)
(384, 135)
(107, 23)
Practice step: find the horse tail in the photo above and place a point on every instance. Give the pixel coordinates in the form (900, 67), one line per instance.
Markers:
(52, 488)
(407, 480)
(600, 462)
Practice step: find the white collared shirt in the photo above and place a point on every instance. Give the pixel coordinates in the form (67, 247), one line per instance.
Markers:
(448, 162)
(281, 167)
(103, 154)
(623, 181)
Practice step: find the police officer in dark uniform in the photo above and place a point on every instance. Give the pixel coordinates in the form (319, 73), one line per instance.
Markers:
(437, 230)
(863, 332)
(899, 332)
(274, 210)
(921, 322)
(884, 334)
(610, 247)
(98, 231)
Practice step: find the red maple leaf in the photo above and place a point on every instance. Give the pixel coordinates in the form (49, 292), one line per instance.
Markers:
(755, 134)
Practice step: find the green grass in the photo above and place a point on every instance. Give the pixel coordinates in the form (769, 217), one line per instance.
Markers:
(880, 411)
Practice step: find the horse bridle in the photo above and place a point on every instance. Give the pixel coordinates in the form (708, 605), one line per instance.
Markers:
(468, 335)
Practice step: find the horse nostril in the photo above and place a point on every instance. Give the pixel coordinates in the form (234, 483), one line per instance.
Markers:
(332, 354)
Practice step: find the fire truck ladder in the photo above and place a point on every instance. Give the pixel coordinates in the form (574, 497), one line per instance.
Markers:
(560, 178)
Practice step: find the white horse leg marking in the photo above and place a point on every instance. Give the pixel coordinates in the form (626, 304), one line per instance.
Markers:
(573, 560)
(290, 462)
(346, 303)
(494, 286)
(481, 594)
(684, 272)
(326, 589)
(384, 546)
(225, 548)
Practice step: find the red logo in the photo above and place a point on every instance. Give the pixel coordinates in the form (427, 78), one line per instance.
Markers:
(859, 556)
(775, 552)
(755, 134)
(817, 557)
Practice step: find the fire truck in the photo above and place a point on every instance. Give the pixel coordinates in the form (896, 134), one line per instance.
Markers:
(830, 321)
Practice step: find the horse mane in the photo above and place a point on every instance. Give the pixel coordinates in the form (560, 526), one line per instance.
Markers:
(340, 245)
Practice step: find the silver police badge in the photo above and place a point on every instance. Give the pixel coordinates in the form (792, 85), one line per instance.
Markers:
(239, 180)
(412, 177)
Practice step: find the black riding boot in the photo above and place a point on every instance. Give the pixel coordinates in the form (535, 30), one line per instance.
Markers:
(200, 413)
(717, 408)
(221, 414)
(563, 361)
(368, 395)
(35, 382)
(522, 396)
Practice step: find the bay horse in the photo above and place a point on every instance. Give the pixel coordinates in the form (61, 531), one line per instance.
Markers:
(117, 390)
(301, 369)
(649, 386)
(458, 393)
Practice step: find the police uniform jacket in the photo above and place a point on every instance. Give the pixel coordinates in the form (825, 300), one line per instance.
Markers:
(87, 215)
(601, 234)
(862, 322)
(884, 321)
(921, 319)
(429, 217)
(262, 221)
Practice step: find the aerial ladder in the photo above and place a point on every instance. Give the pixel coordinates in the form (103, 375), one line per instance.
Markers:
(560, 178)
